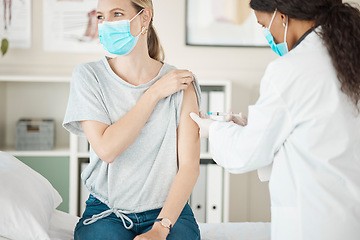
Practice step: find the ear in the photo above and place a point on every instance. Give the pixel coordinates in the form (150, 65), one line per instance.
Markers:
(146, 17)
(283, 18)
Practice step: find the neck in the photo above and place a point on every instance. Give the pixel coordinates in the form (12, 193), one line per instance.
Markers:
(297, 28)
(137, 67)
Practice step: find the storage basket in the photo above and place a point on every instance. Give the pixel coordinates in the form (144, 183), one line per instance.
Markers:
(35, 134)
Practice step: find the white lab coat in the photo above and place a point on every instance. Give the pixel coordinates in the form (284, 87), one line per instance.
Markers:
(308, 129)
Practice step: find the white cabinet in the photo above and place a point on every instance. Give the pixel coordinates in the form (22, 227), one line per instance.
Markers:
(214, 182)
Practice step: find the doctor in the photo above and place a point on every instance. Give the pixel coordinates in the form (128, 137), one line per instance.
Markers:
(306, 121)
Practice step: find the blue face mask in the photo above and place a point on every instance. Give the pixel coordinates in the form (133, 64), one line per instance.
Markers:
(281, 48)
(116, 37)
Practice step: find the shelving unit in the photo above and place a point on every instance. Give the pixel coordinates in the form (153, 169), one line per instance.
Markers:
(36, 96)
(46, 97)
(225, 87)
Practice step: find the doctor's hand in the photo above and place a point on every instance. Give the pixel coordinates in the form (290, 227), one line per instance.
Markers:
(172, 82)
(239, 119)
(203, 123)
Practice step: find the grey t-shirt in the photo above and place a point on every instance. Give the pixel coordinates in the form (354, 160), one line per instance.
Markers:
(140, 178)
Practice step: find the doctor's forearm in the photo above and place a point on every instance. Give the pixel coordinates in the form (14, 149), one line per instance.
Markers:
(236, 151)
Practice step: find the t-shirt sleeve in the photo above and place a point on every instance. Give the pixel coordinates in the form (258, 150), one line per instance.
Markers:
(85, 101)
(179, 99)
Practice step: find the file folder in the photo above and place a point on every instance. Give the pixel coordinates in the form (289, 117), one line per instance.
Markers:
(204, 107)
(198, 196)
(214, 194)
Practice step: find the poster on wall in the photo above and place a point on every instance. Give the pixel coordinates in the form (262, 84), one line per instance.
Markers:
(15, 23)
(222, 23)
(71, 26)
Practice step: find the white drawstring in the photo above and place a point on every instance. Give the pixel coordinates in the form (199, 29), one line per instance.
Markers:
(106, 213)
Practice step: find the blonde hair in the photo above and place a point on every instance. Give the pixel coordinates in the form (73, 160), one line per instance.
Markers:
(156, 51)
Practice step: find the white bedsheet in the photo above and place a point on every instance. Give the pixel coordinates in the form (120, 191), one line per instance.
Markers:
(62, 228)
(235, 231)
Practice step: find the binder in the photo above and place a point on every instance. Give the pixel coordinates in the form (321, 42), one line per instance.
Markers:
(217, 103)
(204, 107)
(198, 196)
(214, 193)
(204, 145)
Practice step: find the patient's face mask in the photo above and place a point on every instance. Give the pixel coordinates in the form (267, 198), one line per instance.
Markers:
(281, 48)
(116, 38)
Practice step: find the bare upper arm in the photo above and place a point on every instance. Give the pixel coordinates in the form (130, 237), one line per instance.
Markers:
(188, 130)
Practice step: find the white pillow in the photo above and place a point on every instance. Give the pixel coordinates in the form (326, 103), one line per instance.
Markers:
(27, 201)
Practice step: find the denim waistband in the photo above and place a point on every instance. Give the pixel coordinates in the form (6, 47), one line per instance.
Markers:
(130, 217)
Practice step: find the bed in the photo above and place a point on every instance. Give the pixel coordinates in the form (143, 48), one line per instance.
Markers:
(28, 210)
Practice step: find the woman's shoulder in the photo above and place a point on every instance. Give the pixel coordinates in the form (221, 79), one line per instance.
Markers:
(167, 67)
(194, 88)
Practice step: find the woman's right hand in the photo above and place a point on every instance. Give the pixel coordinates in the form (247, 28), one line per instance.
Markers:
(172, 82)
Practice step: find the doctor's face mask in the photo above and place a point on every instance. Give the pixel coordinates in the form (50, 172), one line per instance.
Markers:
(280, 48)
(116, 38)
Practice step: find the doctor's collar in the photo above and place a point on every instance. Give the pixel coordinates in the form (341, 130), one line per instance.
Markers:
(303, 37)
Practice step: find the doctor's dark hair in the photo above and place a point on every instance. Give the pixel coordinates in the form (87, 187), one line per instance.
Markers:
(340, 31)
(156, 51)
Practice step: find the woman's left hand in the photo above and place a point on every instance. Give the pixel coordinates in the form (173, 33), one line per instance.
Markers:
(156, 233)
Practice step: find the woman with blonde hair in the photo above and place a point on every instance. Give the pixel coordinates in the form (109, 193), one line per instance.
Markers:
(145, 149)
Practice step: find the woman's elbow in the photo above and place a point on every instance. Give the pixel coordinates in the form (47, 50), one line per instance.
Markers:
(108, 158)
(106, 154)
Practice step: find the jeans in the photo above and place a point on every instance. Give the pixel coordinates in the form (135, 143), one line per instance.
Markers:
(112, 227)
